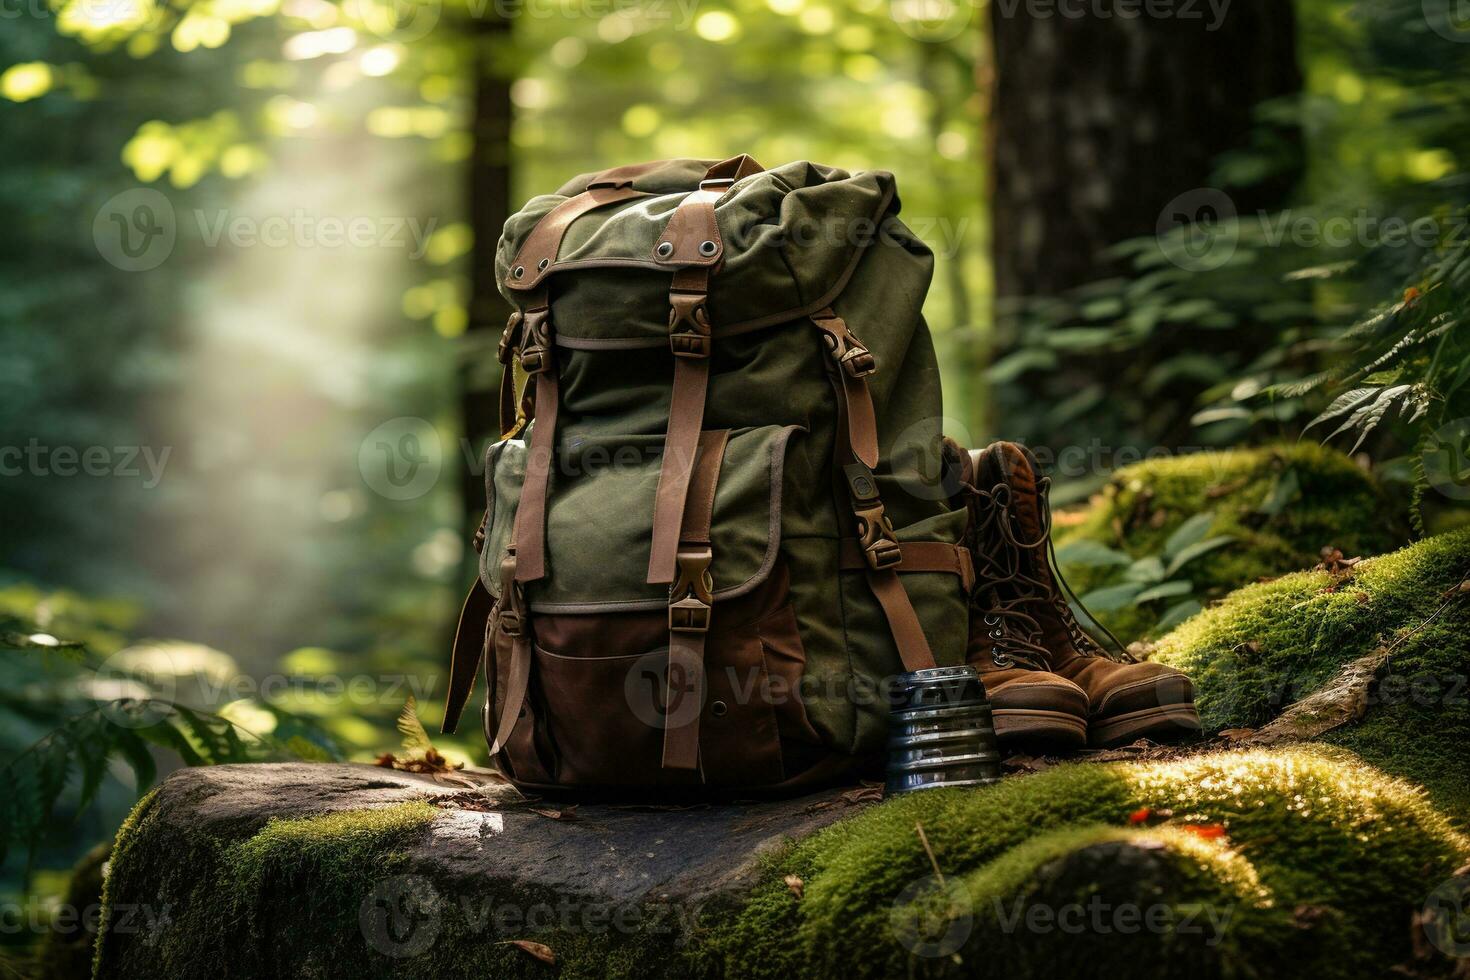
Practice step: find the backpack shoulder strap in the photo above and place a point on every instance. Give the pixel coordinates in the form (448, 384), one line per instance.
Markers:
(849, 366)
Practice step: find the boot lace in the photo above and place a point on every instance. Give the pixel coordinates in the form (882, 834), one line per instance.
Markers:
(1001, 550)
(1015, 633)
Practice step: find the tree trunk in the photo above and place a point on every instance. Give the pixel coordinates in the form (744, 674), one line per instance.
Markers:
(489, 206)
(1100, 120)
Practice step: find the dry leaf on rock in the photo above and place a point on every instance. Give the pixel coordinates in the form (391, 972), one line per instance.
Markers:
(795, 885)
(540, 951)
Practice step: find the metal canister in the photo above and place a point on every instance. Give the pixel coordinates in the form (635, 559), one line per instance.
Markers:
(941, 732)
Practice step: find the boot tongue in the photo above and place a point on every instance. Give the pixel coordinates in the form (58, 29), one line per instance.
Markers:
(1011, 464)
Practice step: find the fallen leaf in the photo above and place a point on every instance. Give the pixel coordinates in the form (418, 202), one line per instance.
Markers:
(795, 885)
(540, 951)
(569, 814)
(1140, 815)
(1204, 831)
(867, 793)
(1230, 734)
(1148, 815)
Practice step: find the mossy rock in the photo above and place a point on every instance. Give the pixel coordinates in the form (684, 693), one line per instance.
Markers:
(1281, 504)
(1300, 856)
(1271, 644)
(1220, 864)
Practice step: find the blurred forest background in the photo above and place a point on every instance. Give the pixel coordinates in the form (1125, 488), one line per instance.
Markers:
(247, 317)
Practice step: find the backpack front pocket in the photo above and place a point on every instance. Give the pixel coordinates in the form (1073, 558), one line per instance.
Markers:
(598, 702)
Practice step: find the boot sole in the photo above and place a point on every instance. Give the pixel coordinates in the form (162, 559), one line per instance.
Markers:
(1159, 723)
(1031, 725)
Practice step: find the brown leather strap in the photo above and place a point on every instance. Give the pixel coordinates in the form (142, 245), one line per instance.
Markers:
(690, 341)
(468, 650)
(692, 236)
(699, 514)
(538, 359)
(690, 608)
(536, 258)
(517, 682)
(513, 619)
(734, 168)
(855, 364)
(918, 556)
(903, 622)
(848, 369)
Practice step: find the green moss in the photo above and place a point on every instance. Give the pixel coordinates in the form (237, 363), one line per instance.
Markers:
(1249, 492)
(333, 896)
(1268, 645)
(1301, 827)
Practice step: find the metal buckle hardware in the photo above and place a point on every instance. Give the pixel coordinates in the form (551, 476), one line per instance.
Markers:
(850, 353)
(875, 530)
(512, 600)
(692, 593)
(510, 337)
(536, 354)
(717, 184)
(689, 326)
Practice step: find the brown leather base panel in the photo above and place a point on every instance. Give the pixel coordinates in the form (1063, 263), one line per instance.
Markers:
(1161, 723)
(1033, 726)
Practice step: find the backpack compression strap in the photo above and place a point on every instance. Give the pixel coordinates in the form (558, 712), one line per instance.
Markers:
(690, 603)
(692, 246)
(857, 454)
(691, 243)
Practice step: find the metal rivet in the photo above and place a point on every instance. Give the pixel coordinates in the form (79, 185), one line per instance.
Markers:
(719, 709)
(541, 266)
(518, 271)
(707, 249)
(665, 249)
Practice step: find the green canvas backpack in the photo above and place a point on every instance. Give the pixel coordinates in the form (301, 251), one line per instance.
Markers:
(718, 520)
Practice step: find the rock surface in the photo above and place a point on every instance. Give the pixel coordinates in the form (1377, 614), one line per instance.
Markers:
(1230, 858)
(619, 854)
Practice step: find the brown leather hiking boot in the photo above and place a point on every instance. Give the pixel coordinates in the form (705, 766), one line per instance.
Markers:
(1127, 699)
(1030, 705)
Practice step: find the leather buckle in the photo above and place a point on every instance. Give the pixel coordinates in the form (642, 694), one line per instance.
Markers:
(536, 354)
(875, 537)
(512, 601)
(850, 353)
(689, 326)
(692, 594)
(509, 338)
(874, 529)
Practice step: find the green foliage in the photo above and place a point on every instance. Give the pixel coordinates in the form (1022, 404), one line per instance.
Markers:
(87, 715)
(1149, 579)
(1233, 516)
